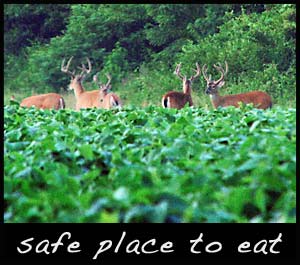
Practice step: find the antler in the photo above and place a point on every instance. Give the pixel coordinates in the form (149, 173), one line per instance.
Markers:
(103, 87)
(109, 79)
(177, 71)
(204, 72)
(95, 79)
(84, 70)
(65, 69)
(198, 71)
(219, 67)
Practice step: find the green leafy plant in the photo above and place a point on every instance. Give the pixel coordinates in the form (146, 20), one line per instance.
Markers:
(150, 165)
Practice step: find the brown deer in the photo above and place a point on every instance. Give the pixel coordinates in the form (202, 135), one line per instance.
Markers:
(84, 99)
(44, 101)
(259, 99)
(178, 100)
(107, 100)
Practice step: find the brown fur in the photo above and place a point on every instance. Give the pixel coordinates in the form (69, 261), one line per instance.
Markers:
(260, 100)
(177, 100)
(109, 100)
(88, 99)
(43, 101)
(84, 99)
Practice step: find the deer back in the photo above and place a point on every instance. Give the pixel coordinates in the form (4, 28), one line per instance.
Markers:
(177, 100)
(259, 99)
(44, 101)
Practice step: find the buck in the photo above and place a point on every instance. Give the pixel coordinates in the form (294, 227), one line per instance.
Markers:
(107, 100)
(44, 101)
(84, 99)
(259, 99)
(177, 100)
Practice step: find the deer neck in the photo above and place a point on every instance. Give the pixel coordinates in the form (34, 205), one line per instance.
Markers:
(215, 99)
(187, 89)
(78, 89)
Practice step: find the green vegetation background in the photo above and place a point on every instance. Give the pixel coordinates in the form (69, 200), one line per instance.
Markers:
(140, 44)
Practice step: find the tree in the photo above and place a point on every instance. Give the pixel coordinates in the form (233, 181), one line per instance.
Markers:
(25, 24)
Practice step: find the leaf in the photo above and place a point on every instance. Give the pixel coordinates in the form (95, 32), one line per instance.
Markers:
(260, 199)
(86, 151)
(96, 207)
(121, 194)
(237, 199)
(254, 125)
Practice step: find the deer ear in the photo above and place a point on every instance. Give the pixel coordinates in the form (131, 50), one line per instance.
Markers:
(221, 84)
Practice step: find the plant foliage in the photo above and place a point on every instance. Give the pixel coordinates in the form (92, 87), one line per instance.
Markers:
(150, 165)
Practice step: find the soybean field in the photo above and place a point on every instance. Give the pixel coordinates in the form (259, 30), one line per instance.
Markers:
(150, 165)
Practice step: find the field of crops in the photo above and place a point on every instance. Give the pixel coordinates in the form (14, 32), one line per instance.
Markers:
(150, 165)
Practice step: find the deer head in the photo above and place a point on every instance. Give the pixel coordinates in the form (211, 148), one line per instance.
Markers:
(213, 86)
(107, 100)
(76, 78)
(187, 81)
(104, 88)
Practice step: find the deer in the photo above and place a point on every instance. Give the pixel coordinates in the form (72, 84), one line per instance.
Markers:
(107, 100)
(44, 101)
(259, 99)
(177, 100)
(84, 99)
